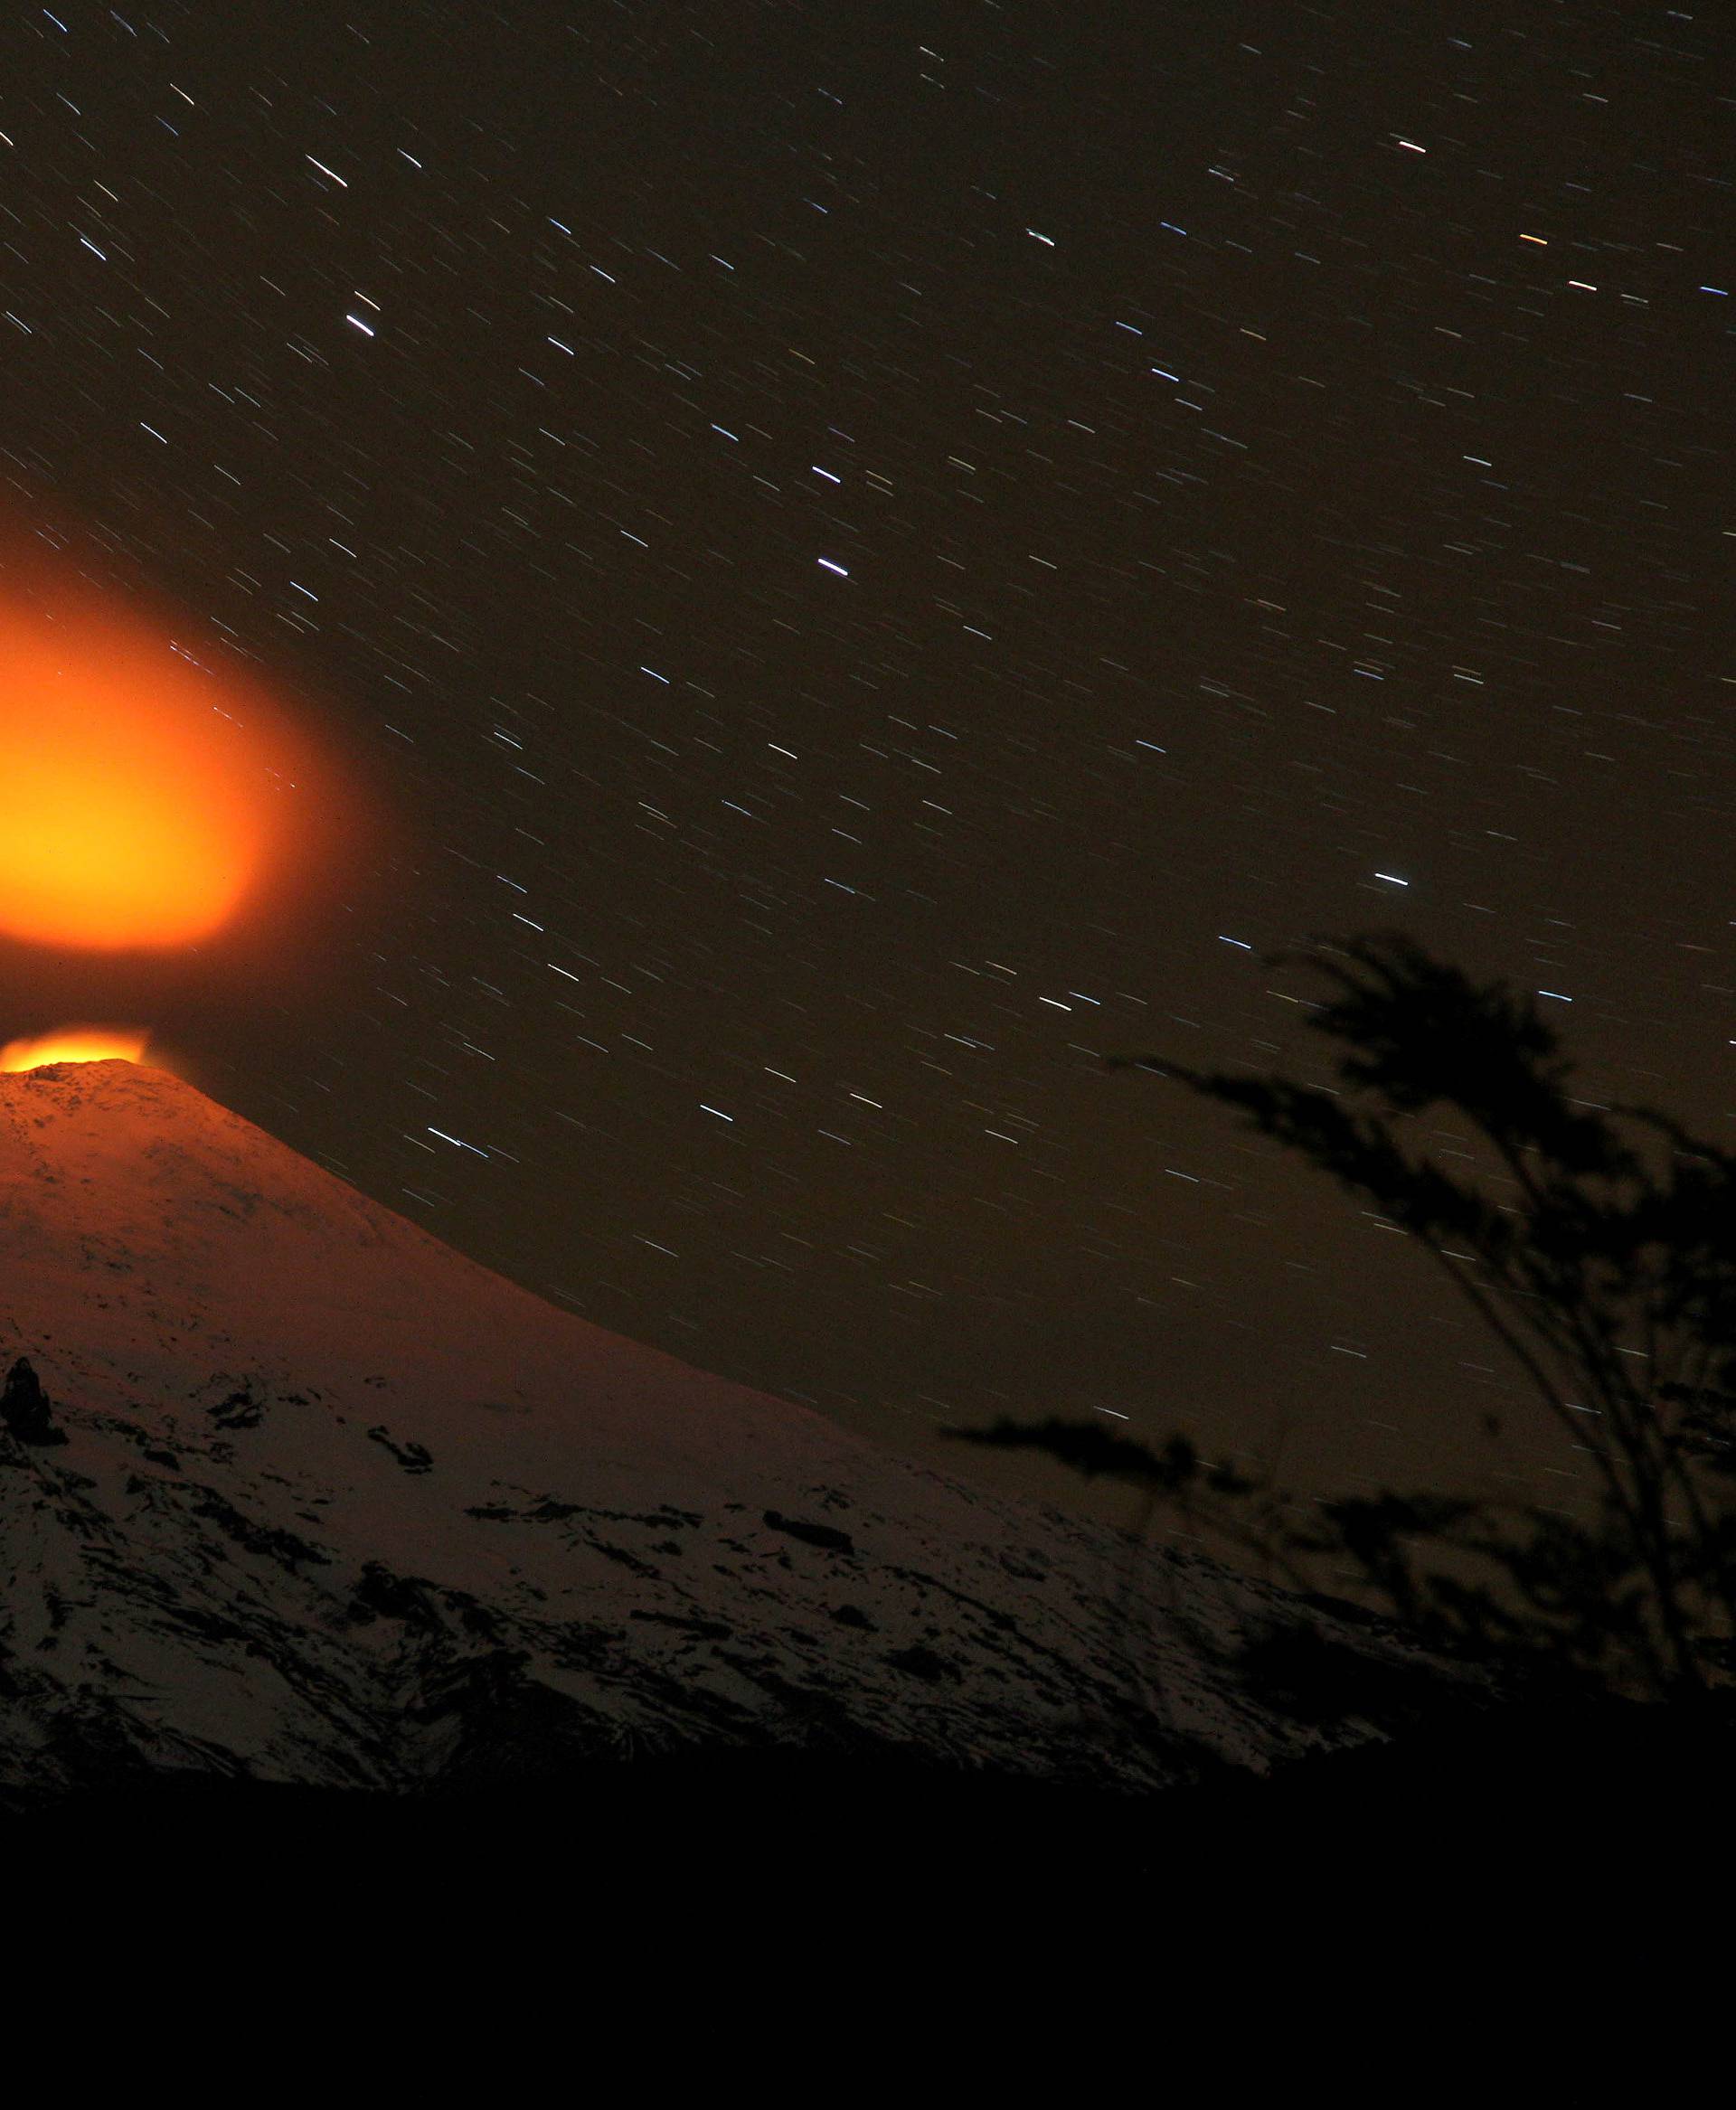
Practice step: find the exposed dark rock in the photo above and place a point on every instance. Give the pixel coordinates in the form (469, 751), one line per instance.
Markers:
(834, 1541)
(26, 1410)
(381, 1595)
(240, 1410)
(287, 1547)
(700, 1629)
(923, 1662)
(413, 1458)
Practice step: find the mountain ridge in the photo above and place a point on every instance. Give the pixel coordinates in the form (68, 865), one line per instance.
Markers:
(338, 1507)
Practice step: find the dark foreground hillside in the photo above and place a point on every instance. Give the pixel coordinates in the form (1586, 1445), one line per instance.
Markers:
(1584, 1794)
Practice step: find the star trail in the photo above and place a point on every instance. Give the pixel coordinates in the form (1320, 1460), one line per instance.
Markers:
(868, 558)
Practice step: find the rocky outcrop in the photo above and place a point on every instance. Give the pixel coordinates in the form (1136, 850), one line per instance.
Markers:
(25, 1410)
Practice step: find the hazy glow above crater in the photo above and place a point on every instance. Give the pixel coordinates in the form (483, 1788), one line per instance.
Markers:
(75, 1044)
(141, 798)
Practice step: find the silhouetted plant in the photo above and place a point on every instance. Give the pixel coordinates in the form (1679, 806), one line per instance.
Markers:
(1609, 1281)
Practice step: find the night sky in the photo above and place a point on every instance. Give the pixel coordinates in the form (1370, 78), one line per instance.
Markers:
(851, 559)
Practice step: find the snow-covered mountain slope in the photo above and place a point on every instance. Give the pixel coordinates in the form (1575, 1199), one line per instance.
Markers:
(337, 1505)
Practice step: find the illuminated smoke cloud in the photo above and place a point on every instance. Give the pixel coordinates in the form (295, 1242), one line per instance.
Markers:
(145, 791)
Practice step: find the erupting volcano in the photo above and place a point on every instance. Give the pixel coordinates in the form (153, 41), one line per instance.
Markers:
(75, 1044)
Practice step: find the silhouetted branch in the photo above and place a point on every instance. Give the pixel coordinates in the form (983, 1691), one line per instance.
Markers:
(1611, 1286)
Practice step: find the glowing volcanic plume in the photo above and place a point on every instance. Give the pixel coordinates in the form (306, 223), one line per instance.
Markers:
(141, 796)
(75, 1044)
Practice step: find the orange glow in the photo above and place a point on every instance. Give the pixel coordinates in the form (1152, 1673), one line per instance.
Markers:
(145, 786)
(75, 1044)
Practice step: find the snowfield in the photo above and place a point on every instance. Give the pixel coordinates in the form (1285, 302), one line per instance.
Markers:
(337, 1506)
